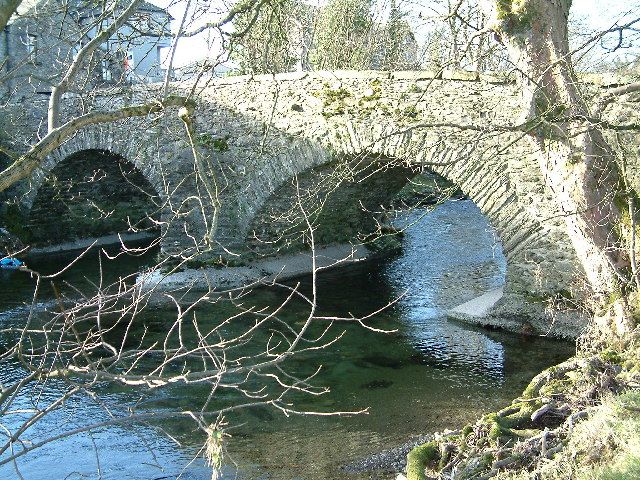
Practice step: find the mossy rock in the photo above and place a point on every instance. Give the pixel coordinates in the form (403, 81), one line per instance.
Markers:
(421, 457)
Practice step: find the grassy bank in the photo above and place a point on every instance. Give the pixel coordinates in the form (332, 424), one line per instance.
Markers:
(576, 420)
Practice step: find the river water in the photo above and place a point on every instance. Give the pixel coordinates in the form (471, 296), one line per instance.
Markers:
(430, 374)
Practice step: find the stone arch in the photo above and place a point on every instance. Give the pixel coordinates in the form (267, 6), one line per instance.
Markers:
(108, 153)
(540, 260)
(122, 142)
(92, 193)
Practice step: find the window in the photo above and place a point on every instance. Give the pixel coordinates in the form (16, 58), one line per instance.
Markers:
(106, 70)
(31, 42)
(163, 56)
(129, 67)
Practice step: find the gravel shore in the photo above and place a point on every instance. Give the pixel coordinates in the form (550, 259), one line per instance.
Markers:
(265, 271)
(393, 460)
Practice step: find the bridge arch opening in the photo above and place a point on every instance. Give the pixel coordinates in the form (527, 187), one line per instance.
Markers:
(93, 193)
(357, 202)
(437, 243)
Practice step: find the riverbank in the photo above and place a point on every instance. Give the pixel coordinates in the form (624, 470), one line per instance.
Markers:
(579, 419)
(84, 243)
(260, 271)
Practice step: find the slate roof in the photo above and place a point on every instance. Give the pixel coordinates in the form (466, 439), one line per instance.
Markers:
(30, 7)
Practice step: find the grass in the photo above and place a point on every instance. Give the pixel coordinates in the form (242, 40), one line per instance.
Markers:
(606, 446)
(615, 426)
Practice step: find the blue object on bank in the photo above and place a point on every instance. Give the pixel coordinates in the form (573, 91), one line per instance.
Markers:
(10, 263)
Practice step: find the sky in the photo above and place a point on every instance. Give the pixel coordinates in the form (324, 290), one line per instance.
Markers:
(592, 14)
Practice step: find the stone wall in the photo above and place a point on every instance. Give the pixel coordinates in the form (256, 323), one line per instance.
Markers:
(297, 122)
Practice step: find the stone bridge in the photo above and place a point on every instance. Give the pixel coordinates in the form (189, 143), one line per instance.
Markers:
(330, 131)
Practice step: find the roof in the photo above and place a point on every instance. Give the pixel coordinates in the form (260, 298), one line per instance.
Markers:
(29, 7)
(150, 7)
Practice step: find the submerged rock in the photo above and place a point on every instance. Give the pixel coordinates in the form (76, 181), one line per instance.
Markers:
(383, 361)
(375, 384)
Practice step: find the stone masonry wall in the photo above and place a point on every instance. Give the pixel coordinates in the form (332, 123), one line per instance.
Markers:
(304, 120)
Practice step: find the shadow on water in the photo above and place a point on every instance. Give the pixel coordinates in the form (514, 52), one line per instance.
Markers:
(427, 375)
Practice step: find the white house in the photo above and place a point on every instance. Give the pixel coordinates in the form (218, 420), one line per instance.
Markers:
(43, 37)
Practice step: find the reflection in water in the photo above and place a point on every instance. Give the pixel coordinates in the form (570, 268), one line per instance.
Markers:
(429, 374)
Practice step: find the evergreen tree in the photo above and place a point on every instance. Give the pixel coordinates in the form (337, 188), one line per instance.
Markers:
(268, 44)
(343, 38)
(400, 47)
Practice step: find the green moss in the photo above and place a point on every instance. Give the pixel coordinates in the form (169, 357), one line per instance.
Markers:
(557, 387)
(520, 416)
(333, 101)
(411, 111)
(420, 458)
(606, 446)
(219, 144)
(560, 299)
(336, 95)
(486, 461)
(15, 221)
(516, 15)
(614, 297)
(611, 356)
(414, 88)
(496, 431)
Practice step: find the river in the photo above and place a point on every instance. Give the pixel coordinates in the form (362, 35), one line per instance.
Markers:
(430, 374)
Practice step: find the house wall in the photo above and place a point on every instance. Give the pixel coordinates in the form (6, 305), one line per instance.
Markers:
(56, 37)
(146, 52)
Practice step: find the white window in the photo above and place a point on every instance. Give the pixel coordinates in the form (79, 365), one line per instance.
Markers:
(163, 57)
(129, 64)
(106, 70)
(31, 42)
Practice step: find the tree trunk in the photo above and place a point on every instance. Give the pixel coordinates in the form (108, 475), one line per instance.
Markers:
(7, 9)
(577, 164)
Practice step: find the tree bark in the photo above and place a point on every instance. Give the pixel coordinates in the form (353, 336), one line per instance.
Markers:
(576, 161)
(7, 9)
